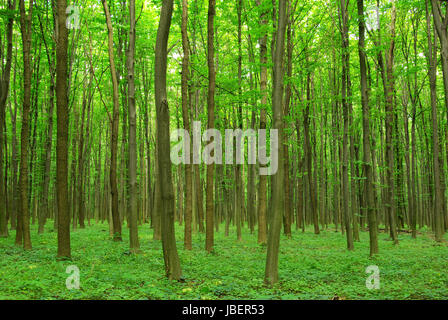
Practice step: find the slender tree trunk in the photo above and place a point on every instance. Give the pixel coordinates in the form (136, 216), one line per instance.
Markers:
(390, 121)
(80, 174)
(171, 258)
(133, 188)
(209, 205)
(45, 210)
(308, 152)
(239, 193)
(156, 218)
(289, 52)
(186, 122)
(432, 58)
(14, 197)
(367, 162)
(4, 90)
(114, 132)
(26, 30)
(261, 209)
(345, 151)
(62, 133)
(278, 196)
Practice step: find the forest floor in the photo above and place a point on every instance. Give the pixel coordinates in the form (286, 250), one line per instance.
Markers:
(310, 267)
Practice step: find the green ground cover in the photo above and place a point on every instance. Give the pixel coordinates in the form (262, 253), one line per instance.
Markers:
(311, 267)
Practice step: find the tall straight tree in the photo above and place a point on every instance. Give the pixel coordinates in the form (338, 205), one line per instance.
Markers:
(440, 24)
(367, 160)
(62, 132)
(238, 168)
(26, 31)
(116, 222)
(390, 121)
(432, 59)
(171, 258)
(261, 209)
(345, 152)
(209, 205)
(278, 195)
(133, 228)
(289, 51)
(46, 158)
(308, 147)
(4, 90)
(186, 121)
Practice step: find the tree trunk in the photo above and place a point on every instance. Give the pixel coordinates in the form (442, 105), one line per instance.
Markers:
(390, 121)
(345, 151)
(171, 258)
(278, 196)
(133, 214)
(209, 205)
(239, 195)
(80, 174)
(44, 210)
(4, 90)
(186, 122)
(432, 58)
(308, 151)
(289, 52)
(114, 132)
(367, 162)
(261, 209)
(26, 30)
(62, 133)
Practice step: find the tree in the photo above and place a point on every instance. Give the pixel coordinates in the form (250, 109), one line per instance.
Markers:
(389, 124)
(209, 205)
(114, 123)
(239, 194)
(278, 196)
(261, 209)
(367, 161)
(133, 228)
(171, 258)
(289, 51)
(4, 91)
(345, 151)
(46, 160)
(62, 133)
(26, 31)
(432, 59)
(308, 149)
(186, 121)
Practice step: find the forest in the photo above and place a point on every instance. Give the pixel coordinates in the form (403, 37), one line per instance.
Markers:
(213, 149)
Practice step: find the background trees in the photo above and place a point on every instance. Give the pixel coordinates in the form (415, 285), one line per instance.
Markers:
(355, 93)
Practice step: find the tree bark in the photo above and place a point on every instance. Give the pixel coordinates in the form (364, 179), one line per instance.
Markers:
(261, 209)
(186, 121)
(278, 196)
(62, 133)
(209, 205)
(133, 214)
(432, 58)
(289, 52)
(367, 162)
(114, 132)
(171, 258)
(345, 152)
(4, 90)
(390, 121)
(26, 30)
